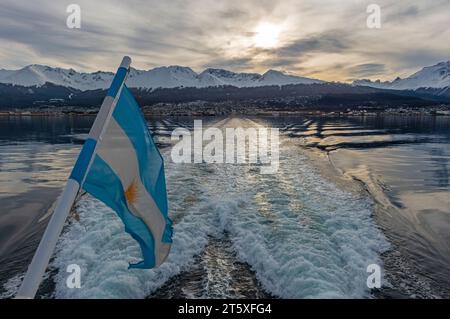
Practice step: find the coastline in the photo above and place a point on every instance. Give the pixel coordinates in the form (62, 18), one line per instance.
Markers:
(210, 109)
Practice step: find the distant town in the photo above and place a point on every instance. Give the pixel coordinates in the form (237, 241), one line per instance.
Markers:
(202, 108)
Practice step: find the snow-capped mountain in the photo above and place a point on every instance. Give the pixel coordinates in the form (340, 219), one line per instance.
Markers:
(216, 77)
(37, 75)
(164, 77)
(435, 76)
(273, 77)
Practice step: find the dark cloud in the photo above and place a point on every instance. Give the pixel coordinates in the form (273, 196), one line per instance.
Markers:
(412, 11)
(366, 70)
(330, 42)
(45, 34)
(237, 64)
(420, 57)
(320, 38)
(233, 13)
(283, 63)
(410, 58)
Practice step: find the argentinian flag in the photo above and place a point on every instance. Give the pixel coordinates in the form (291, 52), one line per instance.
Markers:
(120, 165)
(126, 172)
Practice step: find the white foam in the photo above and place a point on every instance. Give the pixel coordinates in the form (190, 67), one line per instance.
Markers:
(11, 286)
(100, 246)
(303, 236)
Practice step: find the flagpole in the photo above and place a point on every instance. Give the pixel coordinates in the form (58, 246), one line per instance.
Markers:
(41, 258)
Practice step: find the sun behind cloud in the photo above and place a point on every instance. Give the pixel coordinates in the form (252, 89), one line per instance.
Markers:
(266, 36)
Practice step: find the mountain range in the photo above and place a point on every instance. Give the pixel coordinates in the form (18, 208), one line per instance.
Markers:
(436, 76)
(41, 87)
(161, 77)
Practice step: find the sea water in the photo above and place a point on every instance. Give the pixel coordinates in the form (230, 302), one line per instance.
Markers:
(237, 233)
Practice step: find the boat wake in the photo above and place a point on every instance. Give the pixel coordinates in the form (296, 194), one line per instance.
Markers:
(237, 233)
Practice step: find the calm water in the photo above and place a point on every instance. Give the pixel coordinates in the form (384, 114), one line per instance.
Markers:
(298, 233)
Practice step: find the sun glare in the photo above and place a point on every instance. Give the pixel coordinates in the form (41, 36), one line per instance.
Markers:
(266, 36)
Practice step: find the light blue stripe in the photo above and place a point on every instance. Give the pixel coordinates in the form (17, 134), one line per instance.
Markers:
(104, 184)
(79, 170)
(151, 165)
(117, 82)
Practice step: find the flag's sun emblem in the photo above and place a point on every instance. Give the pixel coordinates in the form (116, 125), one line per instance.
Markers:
(131, 193)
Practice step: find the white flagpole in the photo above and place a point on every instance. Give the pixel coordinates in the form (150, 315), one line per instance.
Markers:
(48, 242)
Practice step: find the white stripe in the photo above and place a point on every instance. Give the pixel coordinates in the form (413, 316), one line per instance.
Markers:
(117, 151)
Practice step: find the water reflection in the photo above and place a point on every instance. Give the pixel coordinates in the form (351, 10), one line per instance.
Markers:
(403, 161)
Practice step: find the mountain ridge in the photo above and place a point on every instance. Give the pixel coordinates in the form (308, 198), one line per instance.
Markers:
(174, 76)
(329, 96)
(434, 76)
(159, 77)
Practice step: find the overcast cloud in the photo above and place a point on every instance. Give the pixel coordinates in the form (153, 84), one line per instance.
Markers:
(326, 39)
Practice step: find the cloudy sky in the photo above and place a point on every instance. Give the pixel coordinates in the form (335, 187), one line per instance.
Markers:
(326, 39)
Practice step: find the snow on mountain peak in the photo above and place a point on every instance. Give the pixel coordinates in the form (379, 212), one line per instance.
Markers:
(434, 76)
(160, 77)
(215, 77)
(274, 77)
